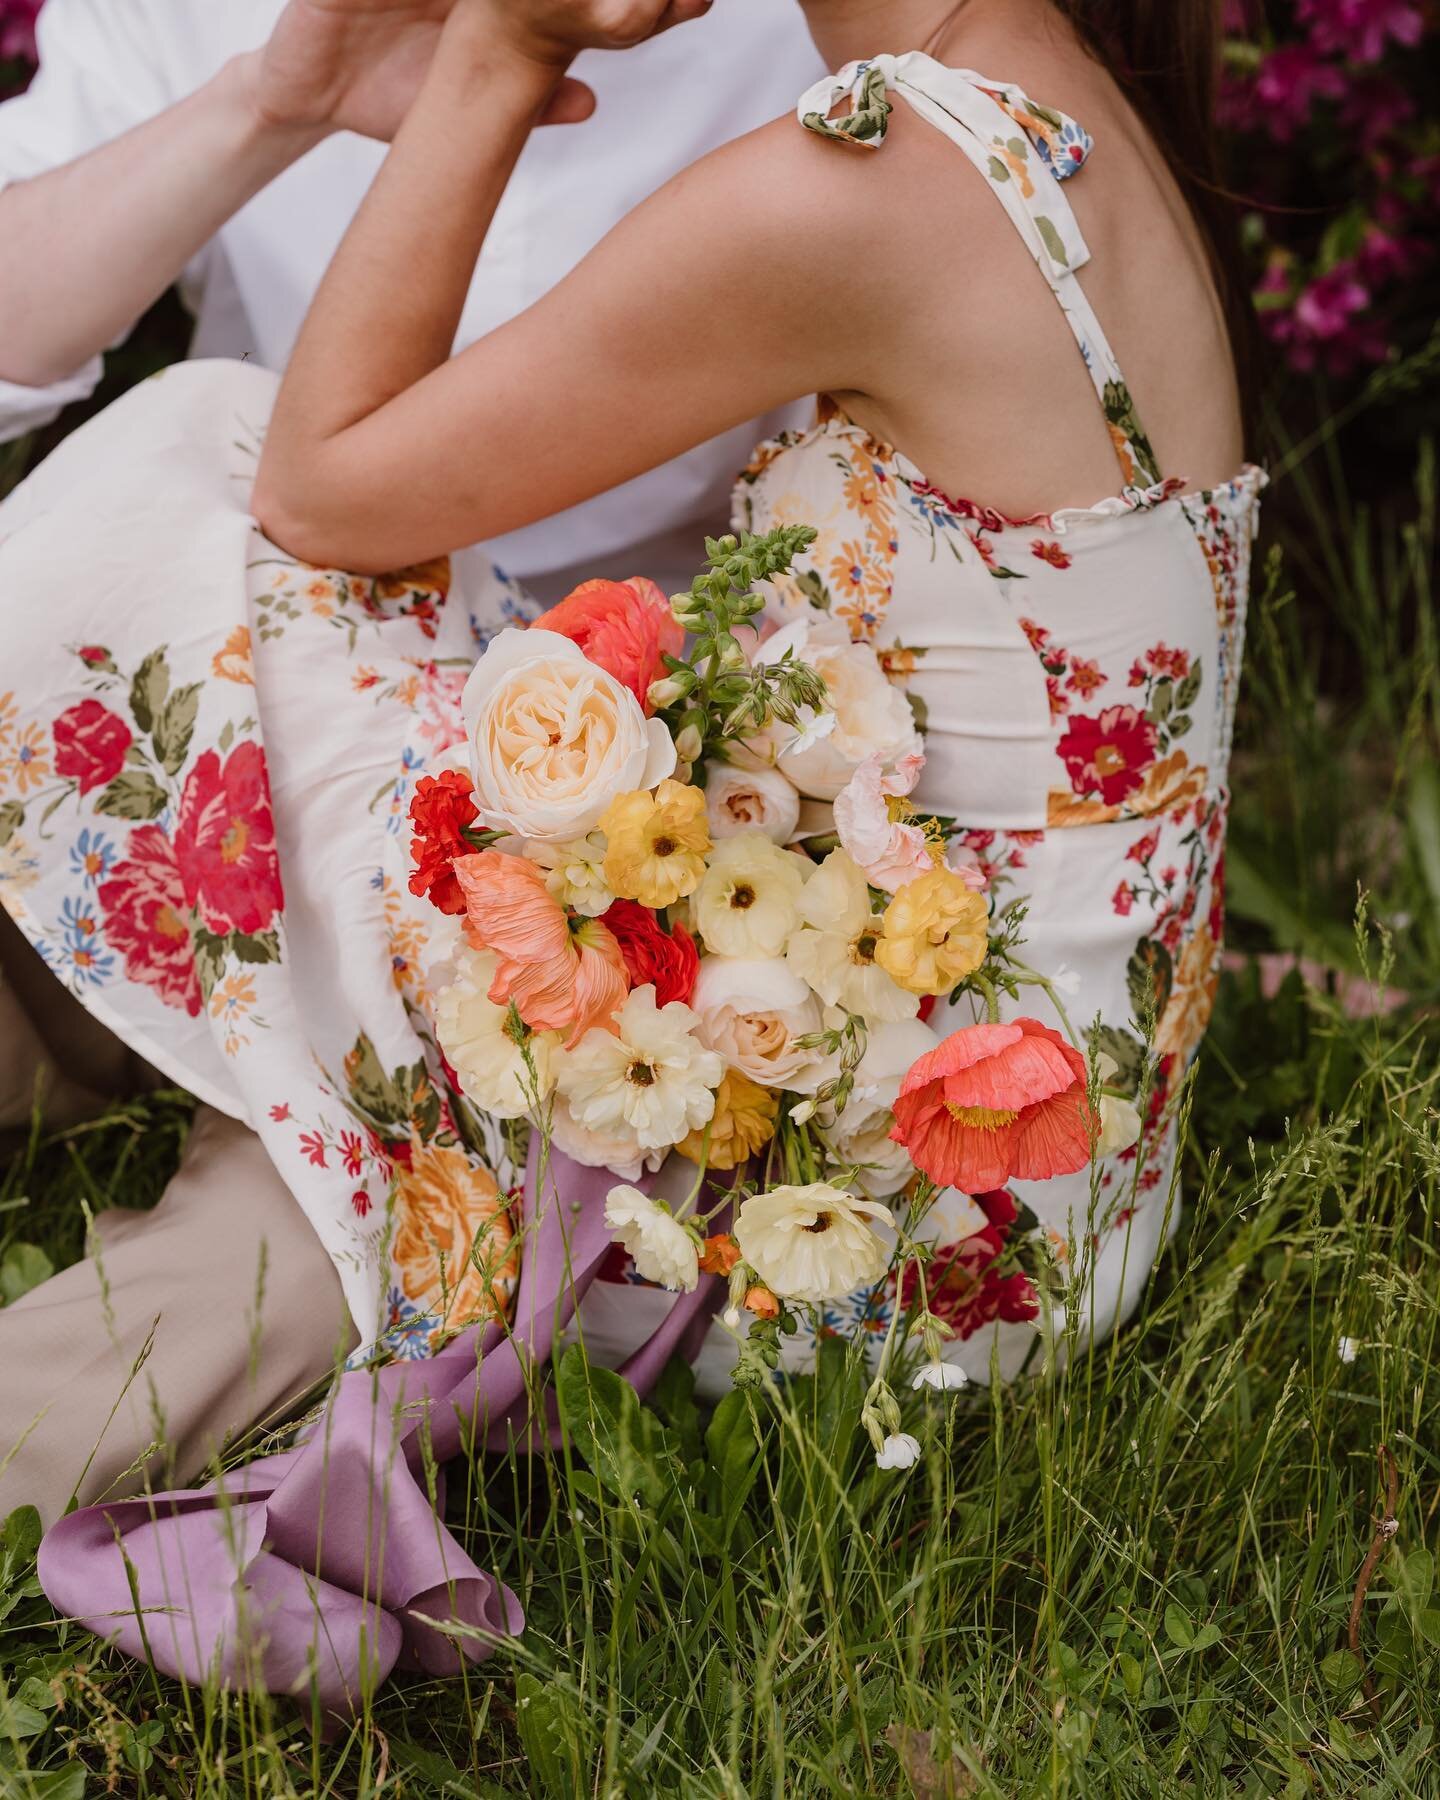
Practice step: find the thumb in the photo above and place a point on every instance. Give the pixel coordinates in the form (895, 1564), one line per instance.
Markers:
(571, 104)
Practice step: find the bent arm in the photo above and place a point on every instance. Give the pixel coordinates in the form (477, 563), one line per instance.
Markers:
(709, 305)
(90, 245)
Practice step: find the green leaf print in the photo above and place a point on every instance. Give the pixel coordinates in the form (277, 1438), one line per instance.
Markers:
(209, 958)
(148, 690)
(263, 947)
(1150, 972)
(176, 726)
(1188, 691)
(1120, 412)
(1127, 1052)
(1162, 699)
(12, 817)
(378, 1095)
(132, 795)
(1052, 240)
(999, 171)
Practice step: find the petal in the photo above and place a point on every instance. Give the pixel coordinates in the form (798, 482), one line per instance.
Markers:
(1053, 1138)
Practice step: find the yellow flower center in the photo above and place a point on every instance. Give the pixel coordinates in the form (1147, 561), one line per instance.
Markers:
(981, 1118)
(234, 842)
(1109, 760)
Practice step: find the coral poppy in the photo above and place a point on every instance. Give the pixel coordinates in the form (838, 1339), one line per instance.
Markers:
(225, 842)
(562, 975)
(996, 1103)
(626, 627)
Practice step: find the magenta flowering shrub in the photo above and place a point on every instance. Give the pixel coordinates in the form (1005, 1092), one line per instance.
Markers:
(1330, 112)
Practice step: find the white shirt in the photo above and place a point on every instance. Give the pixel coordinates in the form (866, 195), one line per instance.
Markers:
(106, 65)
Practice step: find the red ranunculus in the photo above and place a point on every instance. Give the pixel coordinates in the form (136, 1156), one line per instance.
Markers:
(443, 806)
(225, 842)
(962, 1284)
(90, 744)
(146, 919)
(1109, 754)
(623, 626)
(670, 960)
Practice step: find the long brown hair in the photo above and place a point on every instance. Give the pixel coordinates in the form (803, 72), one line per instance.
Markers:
(1166, 56)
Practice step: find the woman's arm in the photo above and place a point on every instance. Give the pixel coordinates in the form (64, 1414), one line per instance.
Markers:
(713, 302)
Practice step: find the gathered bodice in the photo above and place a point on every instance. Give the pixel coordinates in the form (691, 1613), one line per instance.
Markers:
(1076, 667)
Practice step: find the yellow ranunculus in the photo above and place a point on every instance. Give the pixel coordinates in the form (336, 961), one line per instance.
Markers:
(744, 1122)
(934, 934)
(657, 844)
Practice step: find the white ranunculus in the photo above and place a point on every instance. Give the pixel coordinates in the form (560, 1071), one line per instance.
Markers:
(899, 1451)
(616, 1148)
(751, 1012)
(481, 1046)
(652, 1076)
(871, 715)
(574, 873)
(812, 1243)
(860, 1137)
(554, 738)
(748, 900)
(834, 950)
(739, 800)
(658, 1244)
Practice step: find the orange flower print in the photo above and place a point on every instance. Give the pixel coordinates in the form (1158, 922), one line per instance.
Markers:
(26, 757)
(1123, 451)
(232, 1003)
(1192, 999)
(425, 579)
(9, 712)
(1170, 784)
(1012, 158)
(867, 492)
(1085, 676)
(322, 596)
(1050, 552)
(233, 660)
(363, 678)
(453, 1250)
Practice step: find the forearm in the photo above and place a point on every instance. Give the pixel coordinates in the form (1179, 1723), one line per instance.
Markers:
(88, 247)
(388, 310)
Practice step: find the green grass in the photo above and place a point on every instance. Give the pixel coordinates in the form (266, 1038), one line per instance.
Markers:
(1134, 1580)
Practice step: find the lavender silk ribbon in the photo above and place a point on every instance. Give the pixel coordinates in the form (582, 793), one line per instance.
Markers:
(315, 1572)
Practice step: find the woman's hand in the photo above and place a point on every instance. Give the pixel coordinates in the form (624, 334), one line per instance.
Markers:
(358, 65)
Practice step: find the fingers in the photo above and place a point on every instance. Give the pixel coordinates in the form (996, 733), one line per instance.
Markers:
(681, 12)
(571, 104)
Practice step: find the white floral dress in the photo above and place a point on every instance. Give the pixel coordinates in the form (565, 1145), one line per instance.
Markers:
(207, 755)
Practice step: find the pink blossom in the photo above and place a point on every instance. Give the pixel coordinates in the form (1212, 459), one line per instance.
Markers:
(17, 29)
(890, 850)
(1289, 82)
(1360, 29)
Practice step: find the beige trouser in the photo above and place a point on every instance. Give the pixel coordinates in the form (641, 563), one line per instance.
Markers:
(184, 1325)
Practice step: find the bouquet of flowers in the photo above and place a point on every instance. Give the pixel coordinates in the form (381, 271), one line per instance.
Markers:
(702, 918)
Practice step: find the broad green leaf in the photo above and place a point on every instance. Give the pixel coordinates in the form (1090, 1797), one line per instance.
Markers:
(133, 794)
(627, 1447)
(1179, 1629)
(175, 727)
(1415, 1582)
(149, 689)
(538, 1712)
(24, 1266)
(20, 1721)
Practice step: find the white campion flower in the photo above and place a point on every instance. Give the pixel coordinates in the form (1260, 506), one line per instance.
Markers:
(834, 948)
(859, 1137)
(651, 1076)
(866, 714)
(899, 1451)
(748, 901)
(761, 800)
(574, 873)
(483, 1045)
(658, 1244)
(944, 1377)
(812, 1243)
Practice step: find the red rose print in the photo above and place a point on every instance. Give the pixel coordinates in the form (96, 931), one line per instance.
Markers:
(225, 842)
(962, 1284)
(1110, 753)
(90, 744)
(670, 960)
(1123, 899)
(146, 920)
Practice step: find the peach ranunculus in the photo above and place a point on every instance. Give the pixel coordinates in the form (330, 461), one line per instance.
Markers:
(554, 738)
(453, 1250)
(562, 974)
(624, 626)
(994, 1104)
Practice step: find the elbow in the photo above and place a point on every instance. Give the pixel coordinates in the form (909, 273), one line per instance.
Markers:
(299, 517)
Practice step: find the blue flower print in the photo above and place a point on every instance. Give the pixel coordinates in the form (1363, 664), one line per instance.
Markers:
(92, 856)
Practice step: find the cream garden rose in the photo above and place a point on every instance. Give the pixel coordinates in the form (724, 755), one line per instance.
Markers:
(871, 716)
(759, 799)
(554, 739)
(751, 1013)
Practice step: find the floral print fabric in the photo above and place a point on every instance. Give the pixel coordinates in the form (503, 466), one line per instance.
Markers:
(206, 760)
